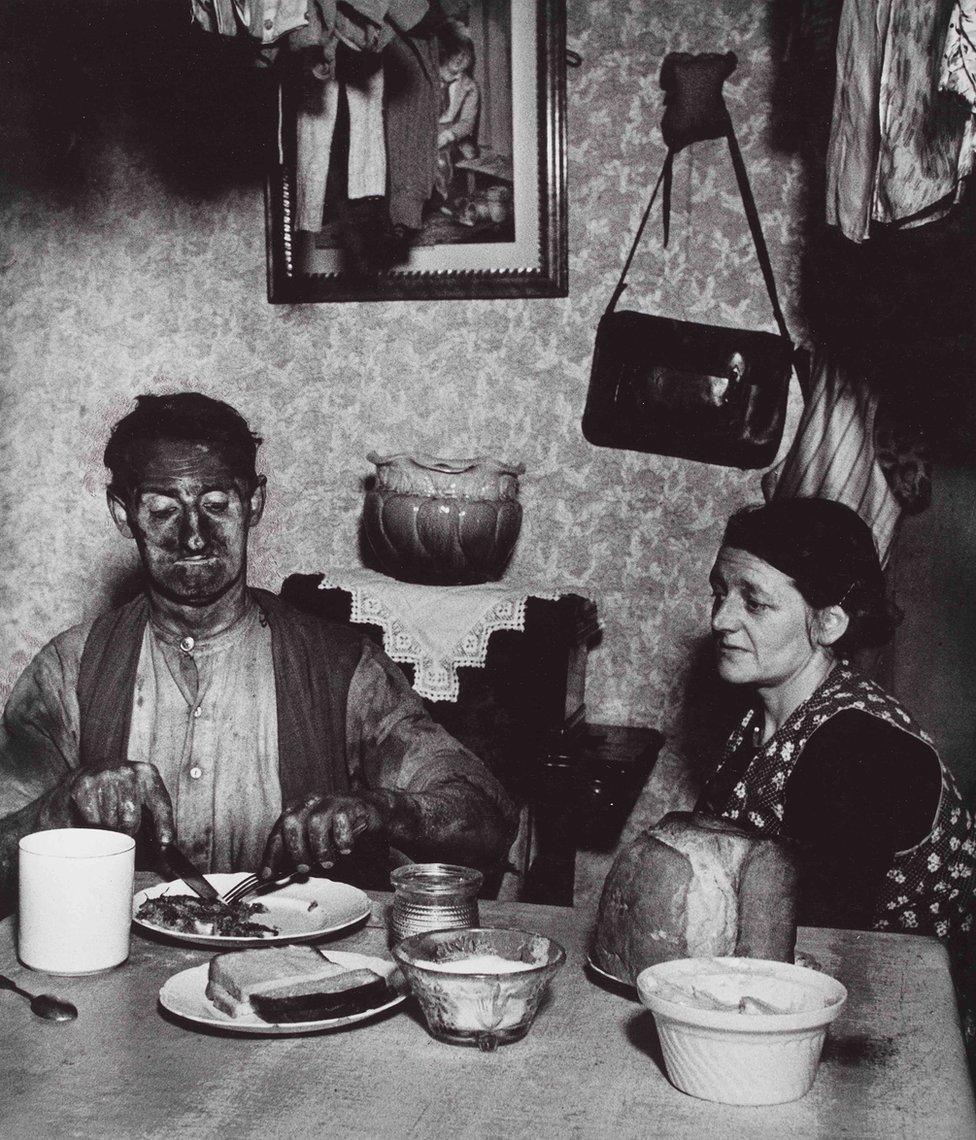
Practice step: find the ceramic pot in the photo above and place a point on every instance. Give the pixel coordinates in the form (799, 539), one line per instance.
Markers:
(442, 521)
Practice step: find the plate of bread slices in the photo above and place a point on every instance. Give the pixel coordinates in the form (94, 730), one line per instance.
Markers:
(296, 912)
(284, 989)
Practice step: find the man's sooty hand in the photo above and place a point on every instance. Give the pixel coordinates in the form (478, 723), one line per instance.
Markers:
(114, 798)
(320, 828)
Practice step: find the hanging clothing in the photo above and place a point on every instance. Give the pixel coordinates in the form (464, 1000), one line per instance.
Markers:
(308, 31)
(927, 888)
(314, 45)
(370, 28)
(365, 25)
(315, 125)
(833, 454)
(369, 25)
(263, 20)
(412, 107)
(806, 79)
(899, 148)
(959, 55)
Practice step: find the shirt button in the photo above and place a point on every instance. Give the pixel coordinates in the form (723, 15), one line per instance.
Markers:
(269, 24)
(198, 711)
(187, 644)
(196, 773)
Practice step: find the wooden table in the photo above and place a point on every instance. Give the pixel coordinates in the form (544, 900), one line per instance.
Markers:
(894, 1064)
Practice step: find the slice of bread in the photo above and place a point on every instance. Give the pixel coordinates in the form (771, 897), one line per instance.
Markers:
(236, 976)
(345, 980)
(353, 991)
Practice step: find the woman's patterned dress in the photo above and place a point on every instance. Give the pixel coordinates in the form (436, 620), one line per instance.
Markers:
(929, 888)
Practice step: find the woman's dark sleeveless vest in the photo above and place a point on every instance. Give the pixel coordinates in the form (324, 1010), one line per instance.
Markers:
(314, 662)
(928, 888)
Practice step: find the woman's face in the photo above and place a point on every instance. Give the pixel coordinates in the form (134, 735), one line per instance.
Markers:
(761, 624)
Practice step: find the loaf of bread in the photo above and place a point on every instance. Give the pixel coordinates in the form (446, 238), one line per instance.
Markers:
(695, 887)
(291, 984)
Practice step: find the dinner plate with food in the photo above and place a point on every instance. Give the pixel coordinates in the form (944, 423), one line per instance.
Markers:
(295, 912)
(284, 989)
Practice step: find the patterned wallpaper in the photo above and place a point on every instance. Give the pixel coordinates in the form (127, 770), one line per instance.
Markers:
(142, 283)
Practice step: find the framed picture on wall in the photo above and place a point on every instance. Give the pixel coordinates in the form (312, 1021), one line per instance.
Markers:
(426, 161)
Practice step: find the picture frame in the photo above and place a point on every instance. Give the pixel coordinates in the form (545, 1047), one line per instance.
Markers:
(495, 224)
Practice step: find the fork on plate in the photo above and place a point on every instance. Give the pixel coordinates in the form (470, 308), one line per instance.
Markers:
(255, 885)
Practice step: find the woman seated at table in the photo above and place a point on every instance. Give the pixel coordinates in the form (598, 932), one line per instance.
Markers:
(825, 757)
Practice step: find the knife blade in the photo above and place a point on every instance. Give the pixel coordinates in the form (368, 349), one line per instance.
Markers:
(180, 867)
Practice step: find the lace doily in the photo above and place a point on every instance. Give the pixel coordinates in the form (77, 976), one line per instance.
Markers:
(436, 629)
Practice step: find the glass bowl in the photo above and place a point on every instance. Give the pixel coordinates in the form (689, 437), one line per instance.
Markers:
(480, 986)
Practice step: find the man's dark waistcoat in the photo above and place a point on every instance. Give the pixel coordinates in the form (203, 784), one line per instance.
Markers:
(314, 662)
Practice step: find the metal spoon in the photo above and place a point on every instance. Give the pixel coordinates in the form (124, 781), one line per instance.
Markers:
(44, 1005)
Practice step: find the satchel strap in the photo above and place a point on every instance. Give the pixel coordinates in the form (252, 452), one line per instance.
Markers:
(622, 283)
(755, 228)
(752, 216)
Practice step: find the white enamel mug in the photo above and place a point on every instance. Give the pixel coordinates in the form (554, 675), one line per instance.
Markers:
(75, 900)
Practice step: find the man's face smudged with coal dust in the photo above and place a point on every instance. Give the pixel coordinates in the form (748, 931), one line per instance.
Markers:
(190, 515)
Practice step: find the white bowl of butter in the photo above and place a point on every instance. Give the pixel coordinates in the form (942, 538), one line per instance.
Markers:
(740, 1030)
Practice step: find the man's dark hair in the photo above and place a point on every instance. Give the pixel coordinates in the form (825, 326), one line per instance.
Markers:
(187, 417)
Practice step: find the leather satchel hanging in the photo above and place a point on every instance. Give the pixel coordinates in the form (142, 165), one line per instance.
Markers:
(705, 392)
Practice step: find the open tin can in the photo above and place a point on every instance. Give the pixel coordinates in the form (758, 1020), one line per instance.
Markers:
(433, 896)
